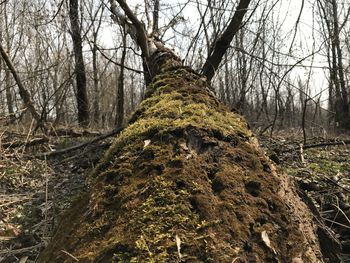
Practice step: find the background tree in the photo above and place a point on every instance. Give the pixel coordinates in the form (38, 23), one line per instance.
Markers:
(37, 39)
(82, 99)
(338, 87)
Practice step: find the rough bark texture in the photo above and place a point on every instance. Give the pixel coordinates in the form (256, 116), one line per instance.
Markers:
(185, 182)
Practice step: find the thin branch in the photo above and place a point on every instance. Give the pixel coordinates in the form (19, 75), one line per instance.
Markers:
(296, 25)
(117, 63)
(317, 145)
(81, 145)
(223, 43)
(137, 26)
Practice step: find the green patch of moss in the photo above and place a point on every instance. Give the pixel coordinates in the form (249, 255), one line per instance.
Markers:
(328, 162)
(165, 113)
(168, 209)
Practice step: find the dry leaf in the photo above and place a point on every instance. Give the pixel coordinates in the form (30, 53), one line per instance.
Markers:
(23, 259)
(188, 156)
(297, 260)
(147, 142)
(267, 241)
(183, 145)
(178, 244)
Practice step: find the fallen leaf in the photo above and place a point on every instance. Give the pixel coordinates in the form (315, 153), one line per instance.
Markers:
(183, 145)
(147, 142)
(178, 244)
(23, 259)
(297, 260)
(267, 241)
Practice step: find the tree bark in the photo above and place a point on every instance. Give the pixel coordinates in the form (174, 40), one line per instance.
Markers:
(82, 99)
(119, 117)
(338, 90)
(342, 98)
(96, 115)
(185, 182)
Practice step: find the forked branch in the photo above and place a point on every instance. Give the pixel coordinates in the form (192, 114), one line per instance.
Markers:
(222, 44)
(136, 28)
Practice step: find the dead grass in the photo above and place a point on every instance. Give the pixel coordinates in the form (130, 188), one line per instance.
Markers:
(33, 194)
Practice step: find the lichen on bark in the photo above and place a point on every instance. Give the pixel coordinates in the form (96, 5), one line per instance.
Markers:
(185, 181)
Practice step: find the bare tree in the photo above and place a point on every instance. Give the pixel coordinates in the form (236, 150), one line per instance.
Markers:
(338, 89)
(119, 117)
(223, 43)
(82, 99)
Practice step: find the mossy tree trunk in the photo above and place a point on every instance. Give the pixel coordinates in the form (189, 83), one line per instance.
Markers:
(185, 182)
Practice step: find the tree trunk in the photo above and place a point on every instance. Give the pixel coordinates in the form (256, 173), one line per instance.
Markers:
(96, 104)
(223, 43)
(9, 100)
(186, 181)
(119, 117)
(342, 109)
(82, 99)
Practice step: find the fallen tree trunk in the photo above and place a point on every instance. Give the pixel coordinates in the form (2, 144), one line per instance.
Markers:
(186, 181)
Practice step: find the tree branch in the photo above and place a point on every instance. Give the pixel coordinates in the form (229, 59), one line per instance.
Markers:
(24, 94)
(141, 34)
(223, 43)
(79, 146)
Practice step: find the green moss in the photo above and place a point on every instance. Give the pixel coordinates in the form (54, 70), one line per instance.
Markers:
(328, 162)
(168, 209)
(166, 113)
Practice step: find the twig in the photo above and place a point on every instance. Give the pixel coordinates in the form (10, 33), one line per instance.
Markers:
(70, 255)
(336, 223)
(78, 146)
(46, 196)
(20, 250)
(15, 144)
(15, 201)
(101, 146)
(301, 149)
(337, 184)
(342, 212)
(28, 134)
(316, 145)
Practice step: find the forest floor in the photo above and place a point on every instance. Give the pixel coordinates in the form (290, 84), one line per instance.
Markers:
(34, 190)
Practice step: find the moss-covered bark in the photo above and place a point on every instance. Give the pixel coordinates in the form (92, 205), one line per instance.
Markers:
(185, 182)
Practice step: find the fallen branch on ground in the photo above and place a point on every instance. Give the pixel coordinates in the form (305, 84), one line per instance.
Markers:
(15, 144)
(78, 146)
(316, 145)
(20, 250)
(72, 133)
